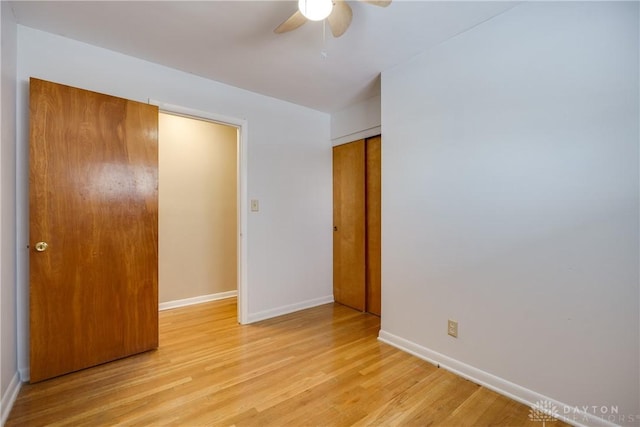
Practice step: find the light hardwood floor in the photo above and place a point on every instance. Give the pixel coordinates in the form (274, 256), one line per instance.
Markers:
(318, 367)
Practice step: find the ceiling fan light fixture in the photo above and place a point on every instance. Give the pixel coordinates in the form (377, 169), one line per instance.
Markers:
(315, 10)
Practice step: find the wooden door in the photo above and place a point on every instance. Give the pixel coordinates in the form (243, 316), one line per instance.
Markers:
(93, 201)
(349, 224)
(373, 217)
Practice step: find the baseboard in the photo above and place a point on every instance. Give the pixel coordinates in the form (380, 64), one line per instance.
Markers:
(286, 309)
(567, 413)
(25, 374)
(9, 398)
(196, 300)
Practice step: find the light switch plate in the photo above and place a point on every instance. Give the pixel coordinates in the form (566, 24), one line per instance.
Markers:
(255, 206)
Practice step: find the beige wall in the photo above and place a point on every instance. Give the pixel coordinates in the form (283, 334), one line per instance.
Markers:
(197, 208)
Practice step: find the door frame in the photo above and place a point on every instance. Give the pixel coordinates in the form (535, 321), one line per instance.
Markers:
(242, 208)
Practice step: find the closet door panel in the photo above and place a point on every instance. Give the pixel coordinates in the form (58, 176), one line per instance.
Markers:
(373, 225)
(349, 236)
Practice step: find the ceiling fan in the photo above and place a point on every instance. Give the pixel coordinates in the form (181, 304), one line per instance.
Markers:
(337, 12)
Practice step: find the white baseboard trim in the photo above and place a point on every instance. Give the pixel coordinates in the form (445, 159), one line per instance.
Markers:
(25, 374)
(286, 309)
(9, 398)
(567, 413)
(196, 300)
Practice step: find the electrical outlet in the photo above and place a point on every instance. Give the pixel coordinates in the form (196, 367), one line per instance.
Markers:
(452, 328)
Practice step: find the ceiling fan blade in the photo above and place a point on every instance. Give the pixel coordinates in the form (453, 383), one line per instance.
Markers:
(381, 3)
(294, 21)
(340, 18)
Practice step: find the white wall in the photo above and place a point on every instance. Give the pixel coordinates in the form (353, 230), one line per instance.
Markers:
(361, 120)
(9, 383)
(289, 166)
(510, 203)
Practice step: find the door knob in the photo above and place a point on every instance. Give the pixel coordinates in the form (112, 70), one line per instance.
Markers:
(41, 246)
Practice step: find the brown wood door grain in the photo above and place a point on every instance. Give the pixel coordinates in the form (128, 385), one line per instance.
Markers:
(93, 200)
(373, 215)
(349, 224)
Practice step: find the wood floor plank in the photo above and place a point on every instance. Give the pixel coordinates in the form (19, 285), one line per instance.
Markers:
(318, 367)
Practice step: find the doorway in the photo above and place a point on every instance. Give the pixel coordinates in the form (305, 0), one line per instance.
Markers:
(123, 139)
(198, 210)
(239, 127)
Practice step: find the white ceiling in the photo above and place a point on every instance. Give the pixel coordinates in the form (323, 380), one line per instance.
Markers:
(233, 41)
